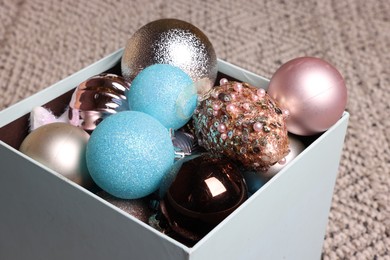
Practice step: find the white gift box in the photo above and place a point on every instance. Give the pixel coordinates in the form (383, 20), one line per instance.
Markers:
(46, 216)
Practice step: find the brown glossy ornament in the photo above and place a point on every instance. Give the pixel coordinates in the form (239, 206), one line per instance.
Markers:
(174, 42)
(96, 98)
(205, 190)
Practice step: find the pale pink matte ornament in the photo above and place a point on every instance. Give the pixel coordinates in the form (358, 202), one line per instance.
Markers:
(313, 91)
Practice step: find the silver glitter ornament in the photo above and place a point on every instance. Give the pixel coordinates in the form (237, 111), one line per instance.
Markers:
(174, 42)
(138, 208)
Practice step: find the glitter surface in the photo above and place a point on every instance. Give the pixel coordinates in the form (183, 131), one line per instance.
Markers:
(175, 42)
(255, 180)
(165, 92)
(129, 153)
(296, 146)
(246, 125)
(137, 207)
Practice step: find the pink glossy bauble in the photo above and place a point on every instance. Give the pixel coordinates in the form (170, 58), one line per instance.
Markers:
(313, 91)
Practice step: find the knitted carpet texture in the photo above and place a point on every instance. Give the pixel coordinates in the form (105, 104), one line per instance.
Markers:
(43, 41)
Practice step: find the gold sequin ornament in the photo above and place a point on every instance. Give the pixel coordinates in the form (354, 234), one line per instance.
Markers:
(243, 123)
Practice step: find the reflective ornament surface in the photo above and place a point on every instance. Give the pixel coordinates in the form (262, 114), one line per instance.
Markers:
(204, 191)
(165, 92)
(243, 123)
(184, 144)
(60, 147)
(313, 91)
(254, 181)
(175, 42)
(96, 98)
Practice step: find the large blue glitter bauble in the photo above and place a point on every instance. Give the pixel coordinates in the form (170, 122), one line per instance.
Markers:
(129, 153)
(165, 92)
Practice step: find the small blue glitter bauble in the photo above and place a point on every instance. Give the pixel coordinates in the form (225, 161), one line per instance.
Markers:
(129, 153)
(165, 92)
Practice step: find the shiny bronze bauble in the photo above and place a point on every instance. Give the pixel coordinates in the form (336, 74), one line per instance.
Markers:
(205, 190)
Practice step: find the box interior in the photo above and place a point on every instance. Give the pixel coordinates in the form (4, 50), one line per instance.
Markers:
(14, 133)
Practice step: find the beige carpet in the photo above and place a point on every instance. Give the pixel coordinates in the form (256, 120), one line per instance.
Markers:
(43, 41)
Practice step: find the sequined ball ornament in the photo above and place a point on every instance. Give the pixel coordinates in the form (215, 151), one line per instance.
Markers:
(243, 123)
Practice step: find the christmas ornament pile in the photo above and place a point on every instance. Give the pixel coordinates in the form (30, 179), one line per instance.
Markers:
(165, 131)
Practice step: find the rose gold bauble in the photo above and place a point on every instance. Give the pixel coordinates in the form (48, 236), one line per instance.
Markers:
(313, 91)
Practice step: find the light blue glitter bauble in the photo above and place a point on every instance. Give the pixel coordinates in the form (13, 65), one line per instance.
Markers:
(165, 92)
(129, 153)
